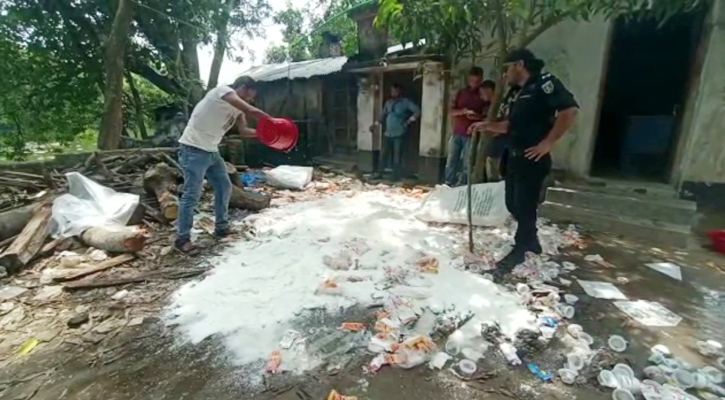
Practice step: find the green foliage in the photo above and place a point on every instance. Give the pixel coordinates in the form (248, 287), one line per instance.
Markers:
(458, 27)
(302, 29)
(44, 100)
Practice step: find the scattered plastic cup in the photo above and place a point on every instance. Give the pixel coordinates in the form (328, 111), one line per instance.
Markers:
(565, 310)
(587, 338)
(617, 343)
(631, 384)
(713, 374)
(567, 376)
(705, 349)
(671, 364)
(683, 379)
(624, 370)
(662, 349)
(574, 330)
(655, 374)
(453, 347)
(701, 381)
(684, 364)
(657, 358)
(574, 361)
(468, 367)
(622, 394)
(607, 379)
(571, 299)
(523, 288)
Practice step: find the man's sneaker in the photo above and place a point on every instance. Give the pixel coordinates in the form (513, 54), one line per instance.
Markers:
(225, 233)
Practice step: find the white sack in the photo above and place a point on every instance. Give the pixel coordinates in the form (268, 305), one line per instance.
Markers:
(289, 177)
(449, 205)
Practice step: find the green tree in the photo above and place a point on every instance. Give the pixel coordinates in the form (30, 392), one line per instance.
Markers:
(302, 31)
(459, 28)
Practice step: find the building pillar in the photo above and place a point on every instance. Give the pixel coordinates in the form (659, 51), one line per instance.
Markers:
(432, 133)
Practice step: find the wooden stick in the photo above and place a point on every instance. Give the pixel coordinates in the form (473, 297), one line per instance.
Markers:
(172, 162)
(142, 277)
(21, 174)
(107, 264)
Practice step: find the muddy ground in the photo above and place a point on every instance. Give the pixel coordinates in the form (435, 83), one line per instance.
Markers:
(152, 361)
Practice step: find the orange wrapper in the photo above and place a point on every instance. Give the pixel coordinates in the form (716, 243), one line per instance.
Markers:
(275, 360)
(428, 265)
(352, 326)
(337, 396)
(380, 314)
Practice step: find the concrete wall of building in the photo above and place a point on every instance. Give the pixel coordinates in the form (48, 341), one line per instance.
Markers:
(366, 95)
(703, 158)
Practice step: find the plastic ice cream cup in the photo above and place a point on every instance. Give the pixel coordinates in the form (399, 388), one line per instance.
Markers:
(617, 343)
(575, 361)
(701, 381)
(574, 330)
(570, 298)
(468, 367)
(622, 394)
(453, 347)
(607, 379)
(657, 358)
(567, 376)
(683, 379)
(623, 369)
(713, 374)
(587, 338)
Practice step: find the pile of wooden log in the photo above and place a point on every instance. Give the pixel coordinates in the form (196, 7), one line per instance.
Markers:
(153, 174)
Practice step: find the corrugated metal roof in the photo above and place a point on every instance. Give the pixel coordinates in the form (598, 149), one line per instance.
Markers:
(297, 70)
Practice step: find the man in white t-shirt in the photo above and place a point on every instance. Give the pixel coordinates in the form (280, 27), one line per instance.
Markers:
(219, 111)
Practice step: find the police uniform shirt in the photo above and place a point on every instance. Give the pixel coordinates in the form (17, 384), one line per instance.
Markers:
(497, 145)
(534, 110)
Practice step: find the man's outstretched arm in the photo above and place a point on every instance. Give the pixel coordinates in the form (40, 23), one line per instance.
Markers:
(237, 102)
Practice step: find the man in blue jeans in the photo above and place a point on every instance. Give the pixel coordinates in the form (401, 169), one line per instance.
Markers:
(399, 113)
(468, 107)
(221, 109)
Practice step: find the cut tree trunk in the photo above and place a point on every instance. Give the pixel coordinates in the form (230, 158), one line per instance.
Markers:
(233, 175)
(248, 200)
(159, 181)
(113, 64)
(30, 240)
(13, 221)
(115, 239)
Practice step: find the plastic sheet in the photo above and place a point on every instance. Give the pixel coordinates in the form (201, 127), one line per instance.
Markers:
(449, 205)
(90, 204)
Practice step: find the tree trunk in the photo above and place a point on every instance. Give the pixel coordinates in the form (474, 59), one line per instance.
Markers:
(190, 61)
(220, 47)
(159, 181)
(248, 200)
(112, 121)
(138, 105)
(29, 242)
(13, 221)
(115, 239)
(478, 150)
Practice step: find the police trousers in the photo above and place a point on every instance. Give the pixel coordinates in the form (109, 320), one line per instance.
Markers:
(524, 181)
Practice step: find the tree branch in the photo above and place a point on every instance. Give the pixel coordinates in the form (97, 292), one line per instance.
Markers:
(527, 22)
(546, 25)
(163, 82)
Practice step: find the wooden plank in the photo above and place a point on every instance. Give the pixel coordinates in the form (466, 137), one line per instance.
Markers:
(104, 265)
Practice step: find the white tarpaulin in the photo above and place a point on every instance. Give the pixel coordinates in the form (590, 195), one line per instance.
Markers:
(449, 205)
(672, 270)
(90, 204)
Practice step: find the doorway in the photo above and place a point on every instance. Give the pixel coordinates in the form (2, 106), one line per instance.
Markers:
(647, 81)
(413, 90)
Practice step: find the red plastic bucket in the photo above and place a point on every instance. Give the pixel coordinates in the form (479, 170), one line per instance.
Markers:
(278, 133)
(717, 237)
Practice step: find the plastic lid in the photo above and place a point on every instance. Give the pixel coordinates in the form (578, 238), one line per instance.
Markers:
(574, 330)
(468, 367)
(617, 343)
(575, 361)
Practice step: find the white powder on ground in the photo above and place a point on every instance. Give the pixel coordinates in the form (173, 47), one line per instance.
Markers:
(258, 287)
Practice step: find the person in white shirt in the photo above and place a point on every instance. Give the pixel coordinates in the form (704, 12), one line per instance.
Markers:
(222, 109)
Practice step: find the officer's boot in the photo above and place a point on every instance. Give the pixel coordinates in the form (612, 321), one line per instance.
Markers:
(507, 264)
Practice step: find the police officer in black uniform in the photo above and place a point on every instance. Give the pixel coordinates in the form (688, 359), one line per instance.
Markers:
(540, 112)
